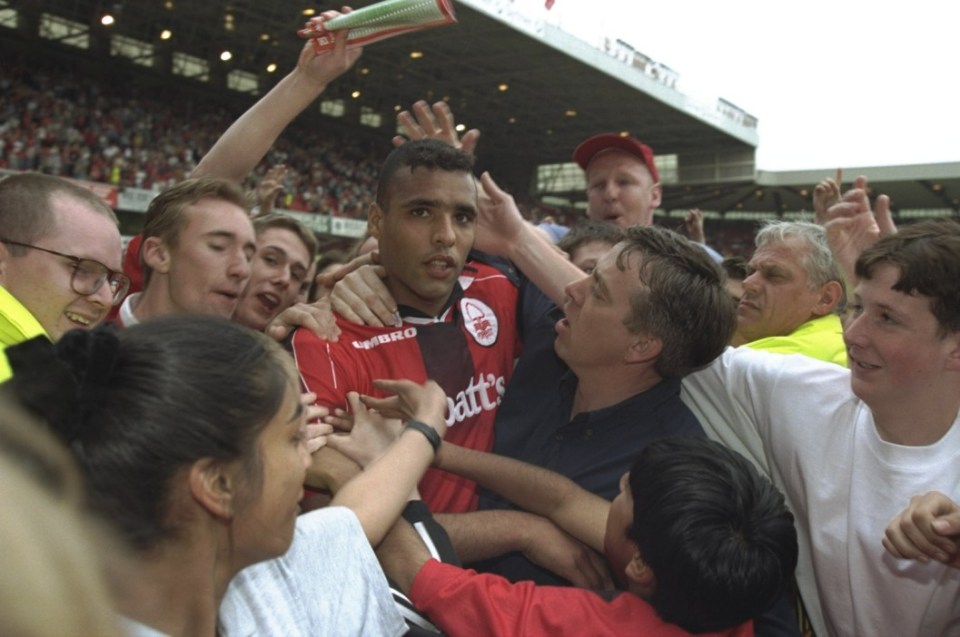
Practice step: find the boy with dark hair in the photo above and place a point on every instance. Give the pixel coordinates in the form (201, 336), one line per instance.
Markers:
(588, 241)
(697, 538)
(428, 153)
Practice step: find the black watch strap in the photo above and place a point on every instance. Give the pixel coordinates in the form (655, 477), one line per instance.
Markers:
(431, 434)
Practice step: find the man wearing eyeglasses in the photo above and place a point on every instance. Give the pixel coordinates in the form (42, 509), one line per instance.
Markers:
(59, 259)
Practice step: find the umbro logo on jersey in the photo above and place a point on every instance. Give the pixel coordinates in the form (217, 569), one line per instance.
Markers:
(383, 339)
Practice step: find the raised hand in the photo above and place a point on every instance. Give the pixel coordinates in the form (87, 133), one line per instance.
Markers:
(434, 122)
(322, 68)
(499, 222)
(694, 226)
(826, 194)
(269, 187)
(852, 226)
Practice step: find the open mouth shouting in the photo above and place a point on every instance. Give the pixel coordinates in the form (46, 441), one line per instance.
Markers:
(268, 302)
(440, 266)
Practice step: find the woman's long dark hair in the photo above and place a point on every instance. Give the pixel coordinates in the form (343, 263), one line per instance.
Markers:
(138, 405)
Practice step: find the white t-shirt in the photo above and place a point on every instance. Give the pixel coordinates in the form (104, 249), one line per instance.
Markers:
(328, 583)
(797, 419)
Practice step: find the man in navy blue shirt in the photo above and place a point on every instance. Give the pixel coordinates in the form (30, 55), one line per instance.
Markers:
(600, 380)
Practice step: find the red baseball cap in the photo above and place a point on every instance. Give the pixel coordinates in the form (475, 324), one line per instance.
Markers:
(589, 149)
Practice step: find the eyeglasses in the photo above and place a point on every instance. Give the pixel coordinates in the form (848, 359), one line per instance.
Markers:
(88, 275)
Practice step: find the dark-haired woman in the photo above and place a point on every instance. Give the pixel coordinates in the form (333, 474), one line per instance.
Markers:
(188, 432)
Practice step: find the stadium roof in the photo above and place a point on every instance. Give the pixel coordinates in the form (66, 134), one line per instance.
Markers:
(555, 96)
(559, 90)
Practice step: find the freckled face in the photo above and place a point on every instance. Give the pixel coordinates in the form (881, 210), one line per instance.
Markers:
(894, 347)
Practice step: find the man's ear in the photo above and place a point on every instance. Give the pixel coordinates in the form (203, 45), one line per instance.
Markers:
(213, 487)
(156, 254)
(953, 356)
(830, 296)
(656, 195)
(644, 349)
(374, 219)
(640, 576)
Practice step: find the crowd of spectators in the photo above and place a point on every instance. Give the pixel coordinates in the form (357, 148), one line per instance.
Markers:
(62, 124)
(73, 125)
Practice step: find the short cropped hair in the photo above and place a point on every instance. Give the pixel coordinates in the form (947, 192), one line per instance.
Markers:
(717, 535)
(587, 232)
(26, 213)
(421, 153)
(138, 406)
(165, 215)
(817, 262)
(927, 253)
(276, 220)
(683, 301)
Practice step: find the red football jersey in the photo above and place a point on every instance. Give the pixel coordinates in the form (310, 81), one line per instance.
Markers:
(469, 350)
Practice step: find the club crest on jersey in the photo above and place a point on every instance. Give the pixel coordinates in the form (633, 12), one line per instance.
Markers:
(480, 321)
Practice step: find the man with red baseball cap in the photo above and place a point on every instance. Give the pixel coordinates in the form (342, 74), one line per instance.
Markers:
(623, 185)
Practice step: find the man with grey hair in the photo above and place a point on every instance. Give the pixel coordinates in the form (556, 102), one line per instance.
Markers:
(793, 294)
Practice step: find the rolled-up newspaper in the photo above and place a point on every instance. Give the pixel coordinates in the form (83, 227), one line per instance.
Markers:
(380, 21)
